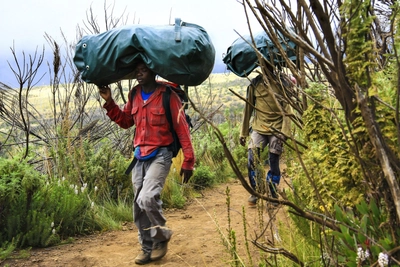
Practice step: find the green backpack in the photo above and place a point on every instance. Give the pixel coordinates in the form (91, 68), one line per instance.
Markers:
(241, 58)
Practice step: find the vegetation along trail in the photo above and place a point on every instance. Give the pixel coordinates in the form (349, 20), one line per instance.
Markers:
(199, 239)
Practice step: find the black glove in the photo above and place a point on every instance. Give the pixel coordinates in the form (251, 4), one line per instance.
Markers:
(186, 175)
(242, 141)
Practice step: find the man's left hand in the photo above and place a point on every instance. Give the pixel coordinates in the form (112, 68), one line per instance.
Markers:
(242, 141)
(186, 175)
(281, 137)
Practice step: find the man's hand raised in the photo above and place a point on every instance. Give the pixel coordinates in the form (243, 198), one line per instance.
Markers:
(105, 93)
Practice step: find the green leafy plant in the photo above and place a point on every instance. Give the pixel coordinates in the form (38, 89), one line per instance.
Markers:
(364, 234)
(6, 249)
(203, 177)
(38, 211)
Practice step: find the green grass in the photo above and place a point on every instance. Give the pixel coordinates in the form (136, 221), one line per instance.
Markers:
(110, 215)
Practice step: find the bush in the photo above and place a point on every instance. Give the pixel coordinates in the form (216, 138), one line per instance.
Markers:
(203, 177)
(37, 214)
(174, 194)
(171, 195)
(96, 166)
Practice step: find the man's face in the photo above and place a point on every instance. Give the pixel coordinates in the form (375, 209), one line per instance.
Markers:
(143, 74)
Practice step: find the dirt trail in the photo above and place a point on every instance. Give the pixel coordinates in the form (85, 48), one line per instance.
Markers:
(195, 242)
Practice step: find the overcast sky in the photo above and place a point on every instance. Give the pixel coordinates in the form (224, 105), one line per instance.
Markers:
(25, 22)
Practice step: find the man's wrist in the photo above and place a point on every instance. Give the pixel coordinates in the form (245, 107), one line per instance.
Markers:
(108, 103)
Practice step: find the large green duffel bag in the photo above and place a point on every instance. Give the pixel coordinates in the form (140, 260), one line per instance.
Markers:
(181, 53)
(242, 59)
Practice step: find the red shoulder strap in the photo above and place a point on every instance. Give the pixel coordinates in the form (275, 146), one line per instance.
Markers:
(166, 83)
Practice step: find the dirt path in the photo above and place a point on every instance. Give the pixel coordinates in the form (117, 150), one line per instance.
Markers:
(195, 242)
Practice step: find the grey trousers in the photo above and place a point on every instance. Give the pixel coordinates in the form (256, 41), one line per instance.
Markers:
(148, 178)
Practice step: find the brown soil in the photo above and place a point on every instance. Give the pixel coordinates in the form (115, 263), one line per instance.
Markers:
(199, 230)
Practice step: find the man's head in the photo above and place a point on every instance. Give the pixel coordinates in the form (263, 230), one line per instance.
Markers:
(143, 74)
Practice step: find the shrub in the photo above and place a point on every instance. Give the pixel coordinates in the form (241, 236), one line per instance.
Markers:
(174, 194)
(203, 177)
(96, 166)
(37, 214)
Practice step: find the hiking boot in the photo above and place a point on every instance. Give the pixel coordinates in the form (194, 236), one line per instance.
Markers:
(159, 250)
(143, 258)
(275, 204)
(273, 188)
(252, 200)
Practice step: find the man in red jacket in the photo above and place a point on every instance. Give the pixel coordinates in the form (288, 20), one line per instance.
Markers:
(151, 143)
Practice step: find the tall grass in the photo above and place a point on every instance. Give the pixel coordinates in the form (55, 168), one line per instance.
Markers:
(276, 232)
(110, 214)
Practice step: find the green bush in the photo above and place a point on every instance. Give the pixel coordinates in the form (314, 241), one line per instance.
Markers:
(209, 150)
(37, 214)
(71, 208)
(18, 185)
(339, 177)
(364, 229)
(203, 177)
(112, 182)
(100, 167)
(172, 194)
(240, 155)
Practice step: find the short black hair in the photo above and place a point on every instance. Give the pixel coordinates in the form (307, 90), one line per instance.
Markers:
(137, 61)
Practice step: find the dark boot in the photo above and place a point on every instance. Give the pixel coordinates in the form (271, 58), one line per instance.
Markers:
(252, 200)
(273, 188)
(143, 258)
(252, 179)
(159, 250)
(273, 182)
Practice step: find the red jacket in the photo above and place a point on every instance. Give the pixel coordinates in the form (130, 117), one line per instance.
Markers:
(152, 127)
